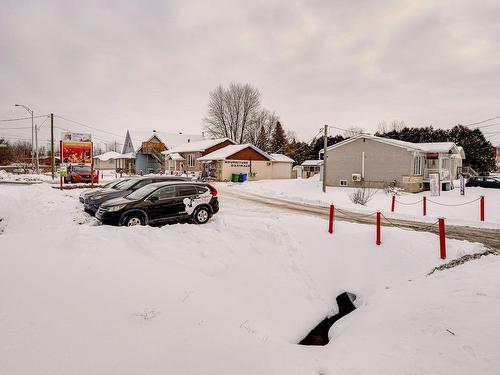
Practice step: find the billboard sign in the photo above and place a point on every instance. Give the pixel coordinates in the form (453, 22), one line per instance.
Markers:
(434, 184)
(76, 137)
(76, 148)
(76, 153)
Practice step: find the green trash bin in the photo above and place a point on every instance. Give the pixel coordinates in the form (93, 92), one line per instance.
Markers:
(235, 177)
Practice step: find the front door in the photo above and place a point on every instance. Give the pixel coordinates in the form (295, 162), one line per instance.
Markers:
(163, 208)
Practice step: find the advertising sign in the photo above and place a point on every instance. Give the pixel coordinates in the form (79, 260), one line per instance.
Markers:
(462, 185)
(63, 170)
(76, 152)
(76, 137)
(434, 184)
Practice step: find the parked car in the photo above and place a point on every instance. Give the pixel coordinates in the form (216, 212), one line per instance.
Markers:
(484, 181)
(81, 173)
(110, 185)
(160, 203)
(92, 205)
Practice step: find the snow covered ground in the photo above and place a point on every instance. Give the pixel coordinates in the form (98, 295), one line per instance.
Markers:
(448, 205)
(233, 296)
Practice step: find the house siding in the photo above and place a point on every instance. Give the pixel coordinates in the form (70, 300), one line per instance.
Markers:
(384, 163)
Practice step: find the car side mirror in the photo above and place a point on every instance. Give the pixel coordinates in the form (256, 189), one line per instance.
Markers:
(154, 198)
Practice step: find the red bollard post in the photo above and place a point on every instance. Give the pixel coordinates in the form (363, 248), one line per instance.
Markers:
(482, 207)
(330, 222)
(378, 228)
(442, 239)
(393, 203)
(424, 202)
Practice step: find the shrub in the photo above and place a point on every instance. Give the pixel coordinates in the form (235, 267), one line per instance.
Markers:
(362, 195)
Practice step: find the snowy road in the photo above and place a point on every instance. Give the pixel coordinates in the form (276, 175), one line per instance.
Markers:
(488, 237)
(233, 296)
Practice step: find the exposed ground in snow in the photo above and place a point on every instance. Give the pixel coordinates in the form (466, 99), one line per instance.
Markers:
(233, 296)
(448, 205)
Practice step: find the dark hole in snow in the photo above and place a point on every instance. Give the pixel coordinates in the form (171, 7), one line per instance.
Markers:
(319, 335)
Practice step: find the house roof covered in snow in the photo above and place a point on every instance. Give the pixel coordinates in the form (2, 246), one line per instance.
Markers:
(197, 146)
(175, 156)
(439, 147)
(225, 152)
(114, 155)
(312, 163)
(281, 158)
(169, 139)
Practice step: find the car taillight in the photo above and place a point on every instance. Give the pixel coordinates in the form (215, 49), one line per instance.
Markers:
(213, 190)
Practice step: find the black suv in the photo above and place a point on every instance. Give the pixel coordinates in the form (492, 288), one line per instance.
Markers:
(91, 205)
(483, 181)
(161, 203)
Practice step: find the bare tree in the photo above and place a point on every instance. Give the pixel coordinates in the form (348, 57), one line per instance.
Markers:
(353, 131)
(261, 128)
(231, 111)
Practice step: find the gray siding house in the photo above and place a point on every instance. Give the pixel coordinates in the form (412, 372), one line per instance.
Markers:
(367, 160)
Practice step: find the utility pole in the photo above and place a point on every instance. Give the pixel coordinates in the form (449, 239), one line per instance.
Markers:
(36, 151)
(52, 151)
(325, 145)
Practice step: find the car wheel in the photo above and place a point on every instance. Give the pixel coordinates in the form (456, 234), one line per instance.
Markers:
(133, 220)
(201, 215)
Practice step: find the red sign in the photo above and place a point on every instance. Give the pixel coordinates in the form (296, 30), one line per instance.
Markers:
(76, 152)
(432, 155)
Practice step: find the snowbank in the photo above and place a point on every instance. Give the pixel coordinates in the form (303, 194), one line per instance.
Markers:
(233, 296)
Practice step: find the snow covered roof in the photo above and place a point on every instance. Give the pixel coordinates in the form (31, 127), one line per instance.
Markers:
(114, 155)
(312, 163)
(225, 152)
(281, 158)
(169, 139)
(196, 146)
(175, 156)
(440, 147)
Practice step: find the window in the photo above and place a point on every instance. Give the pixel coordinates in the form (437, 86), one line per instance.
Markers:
(343, 183)
(186, 190)
(191, 160)
(418, 165)
(141, 184)
(165, 193)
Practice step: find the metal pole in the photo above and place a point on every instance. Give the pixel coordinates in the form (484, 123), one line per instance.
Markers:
(36, 150)
(52, 155)
(32, 142)
(325, 145)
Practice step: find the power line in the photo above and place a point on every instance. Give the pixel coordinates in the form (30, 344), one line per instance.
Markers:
(88, 126)
(483, 121)
(17, 128)
(21, 118)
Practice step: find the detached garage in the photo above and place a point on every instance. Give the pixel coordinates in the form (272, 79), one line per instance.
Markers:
(247, 159)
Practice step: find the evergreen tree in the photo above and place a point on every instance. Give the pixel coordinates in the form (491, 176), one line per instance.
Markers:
(478, 151)
(262, 141)
(278, 141)
(318, 144)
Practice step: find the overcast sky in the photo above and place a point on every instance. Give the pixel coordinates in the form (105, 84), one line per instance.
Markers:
(151, 64)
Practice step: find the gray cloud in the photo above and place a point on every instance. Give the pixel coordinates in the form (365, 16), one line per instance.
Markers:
(151, 64)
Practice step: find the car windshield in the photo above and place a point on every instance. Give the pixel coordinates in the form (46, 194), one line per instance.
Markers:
(126, 184)
(142, 192)
(81, 169)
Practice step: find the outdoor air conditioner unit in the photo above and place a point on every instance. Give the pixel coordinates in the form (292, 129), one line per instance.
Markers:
(356, 177)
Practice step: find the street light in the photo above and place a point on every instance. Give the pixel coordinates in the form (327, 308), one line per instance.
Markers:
(34, 142)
